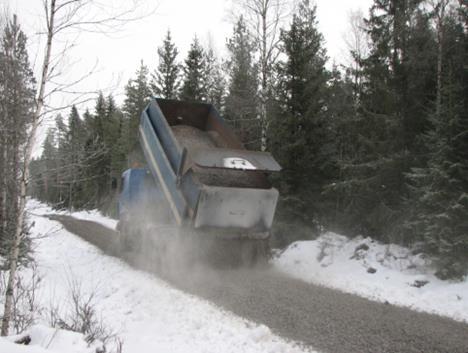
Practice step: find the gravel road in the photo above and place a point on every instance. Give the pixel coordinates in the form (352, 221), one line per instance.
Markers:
(324, 319)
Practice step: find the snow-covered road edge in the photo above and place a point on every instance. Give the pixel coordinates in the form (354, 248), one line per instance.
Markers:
(35, 207)
(384, 273)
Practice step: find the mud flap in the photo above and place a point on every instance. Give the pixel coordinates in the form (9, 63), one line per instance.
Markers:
(226, 207)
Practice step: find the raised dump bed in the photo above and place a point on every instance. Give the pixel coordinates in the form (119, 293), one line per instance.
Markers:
(194, 139)
(208, 177)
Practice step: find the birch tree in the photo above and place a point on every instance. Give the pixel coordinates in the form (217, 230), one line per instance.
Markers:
(61, 19)
(439, 8)
(264, 18)
(356, 41)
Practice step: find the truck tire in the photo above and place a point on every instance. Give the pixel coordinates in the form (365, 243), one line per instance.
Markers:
(127, 238)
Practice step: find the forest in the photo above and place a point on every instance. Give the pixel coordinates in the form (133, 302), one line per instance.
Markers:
(377, 147)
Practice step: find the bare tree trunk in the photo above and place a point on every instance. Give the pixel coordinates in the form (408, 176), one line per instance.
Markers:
(72, 182)
(356, 40)
(5, 170)
(264, 68)
(263, 18)
(4, 182)
(25, 173)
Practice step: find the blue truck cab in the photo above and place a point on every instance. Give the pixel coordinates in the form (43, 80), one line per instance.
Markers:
(141, 199)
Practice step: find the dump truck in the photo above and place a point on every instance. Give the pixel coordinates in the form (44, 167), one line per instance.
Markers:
(199, 185)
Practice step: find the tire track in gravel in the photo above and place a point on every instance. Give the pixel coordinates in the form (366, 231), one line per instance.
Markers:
(324, 319)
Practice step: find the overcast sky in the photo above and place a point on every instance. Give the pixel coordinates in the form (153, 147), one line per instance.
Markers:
(119, 55)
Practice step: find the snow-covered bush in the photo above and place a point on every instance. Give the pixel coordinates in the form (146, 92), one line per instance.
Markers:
(26, 309)
(81, 316)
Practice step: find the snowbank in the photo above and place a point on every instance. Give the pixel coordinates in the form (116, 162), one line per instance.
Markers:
(10, 347)
(386, 273)
(96, 216)
(147, 314)
(45, 339)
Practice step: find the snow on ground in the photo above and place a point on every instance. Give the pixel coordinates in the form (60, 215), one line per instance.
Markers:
(10, 347)
(46, 340)
(376, 271)
(96, 216)
(147, 314)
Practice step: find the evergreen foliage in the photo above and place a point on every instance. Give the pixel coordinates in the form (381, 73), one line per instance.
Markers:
(439, 190)
(299, 131)
(165, 81)
(214, 80)
(388, 119)
(241, 108)
(81, 162)
(100, 164)
(16, 105)
(194, 78)
(137, 95)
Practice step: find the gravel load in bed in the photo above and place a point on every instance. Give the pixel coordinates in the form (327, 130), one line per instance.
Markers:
(192, 138)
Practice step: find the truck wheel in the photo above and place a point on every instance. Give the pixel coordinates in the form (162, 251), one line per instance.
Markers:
(125, 240)
(256, 253)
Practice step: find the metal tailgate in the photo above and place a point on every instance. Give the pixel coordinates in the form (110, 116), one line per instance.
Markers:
(236, 207)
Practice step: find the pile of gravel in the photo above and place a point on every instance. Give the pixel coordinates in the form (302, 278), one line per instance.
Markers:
(192, 138)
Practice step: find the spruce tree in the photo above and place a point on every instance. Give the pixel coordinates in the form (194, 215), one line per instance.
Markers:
(49, 171)
(102, 149)
(241, 108)
(62, 175)
(16, 105)
(75, 129)
(194, 79)
(111, 124)
(99, 118)
(214, 80)
(438, 204)
(92, 156)
(342, 101)
(165, 81)
(137, 95)
(391, 114)
(299, 132)
(96, 155)
(116, 141)
(76, 141)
